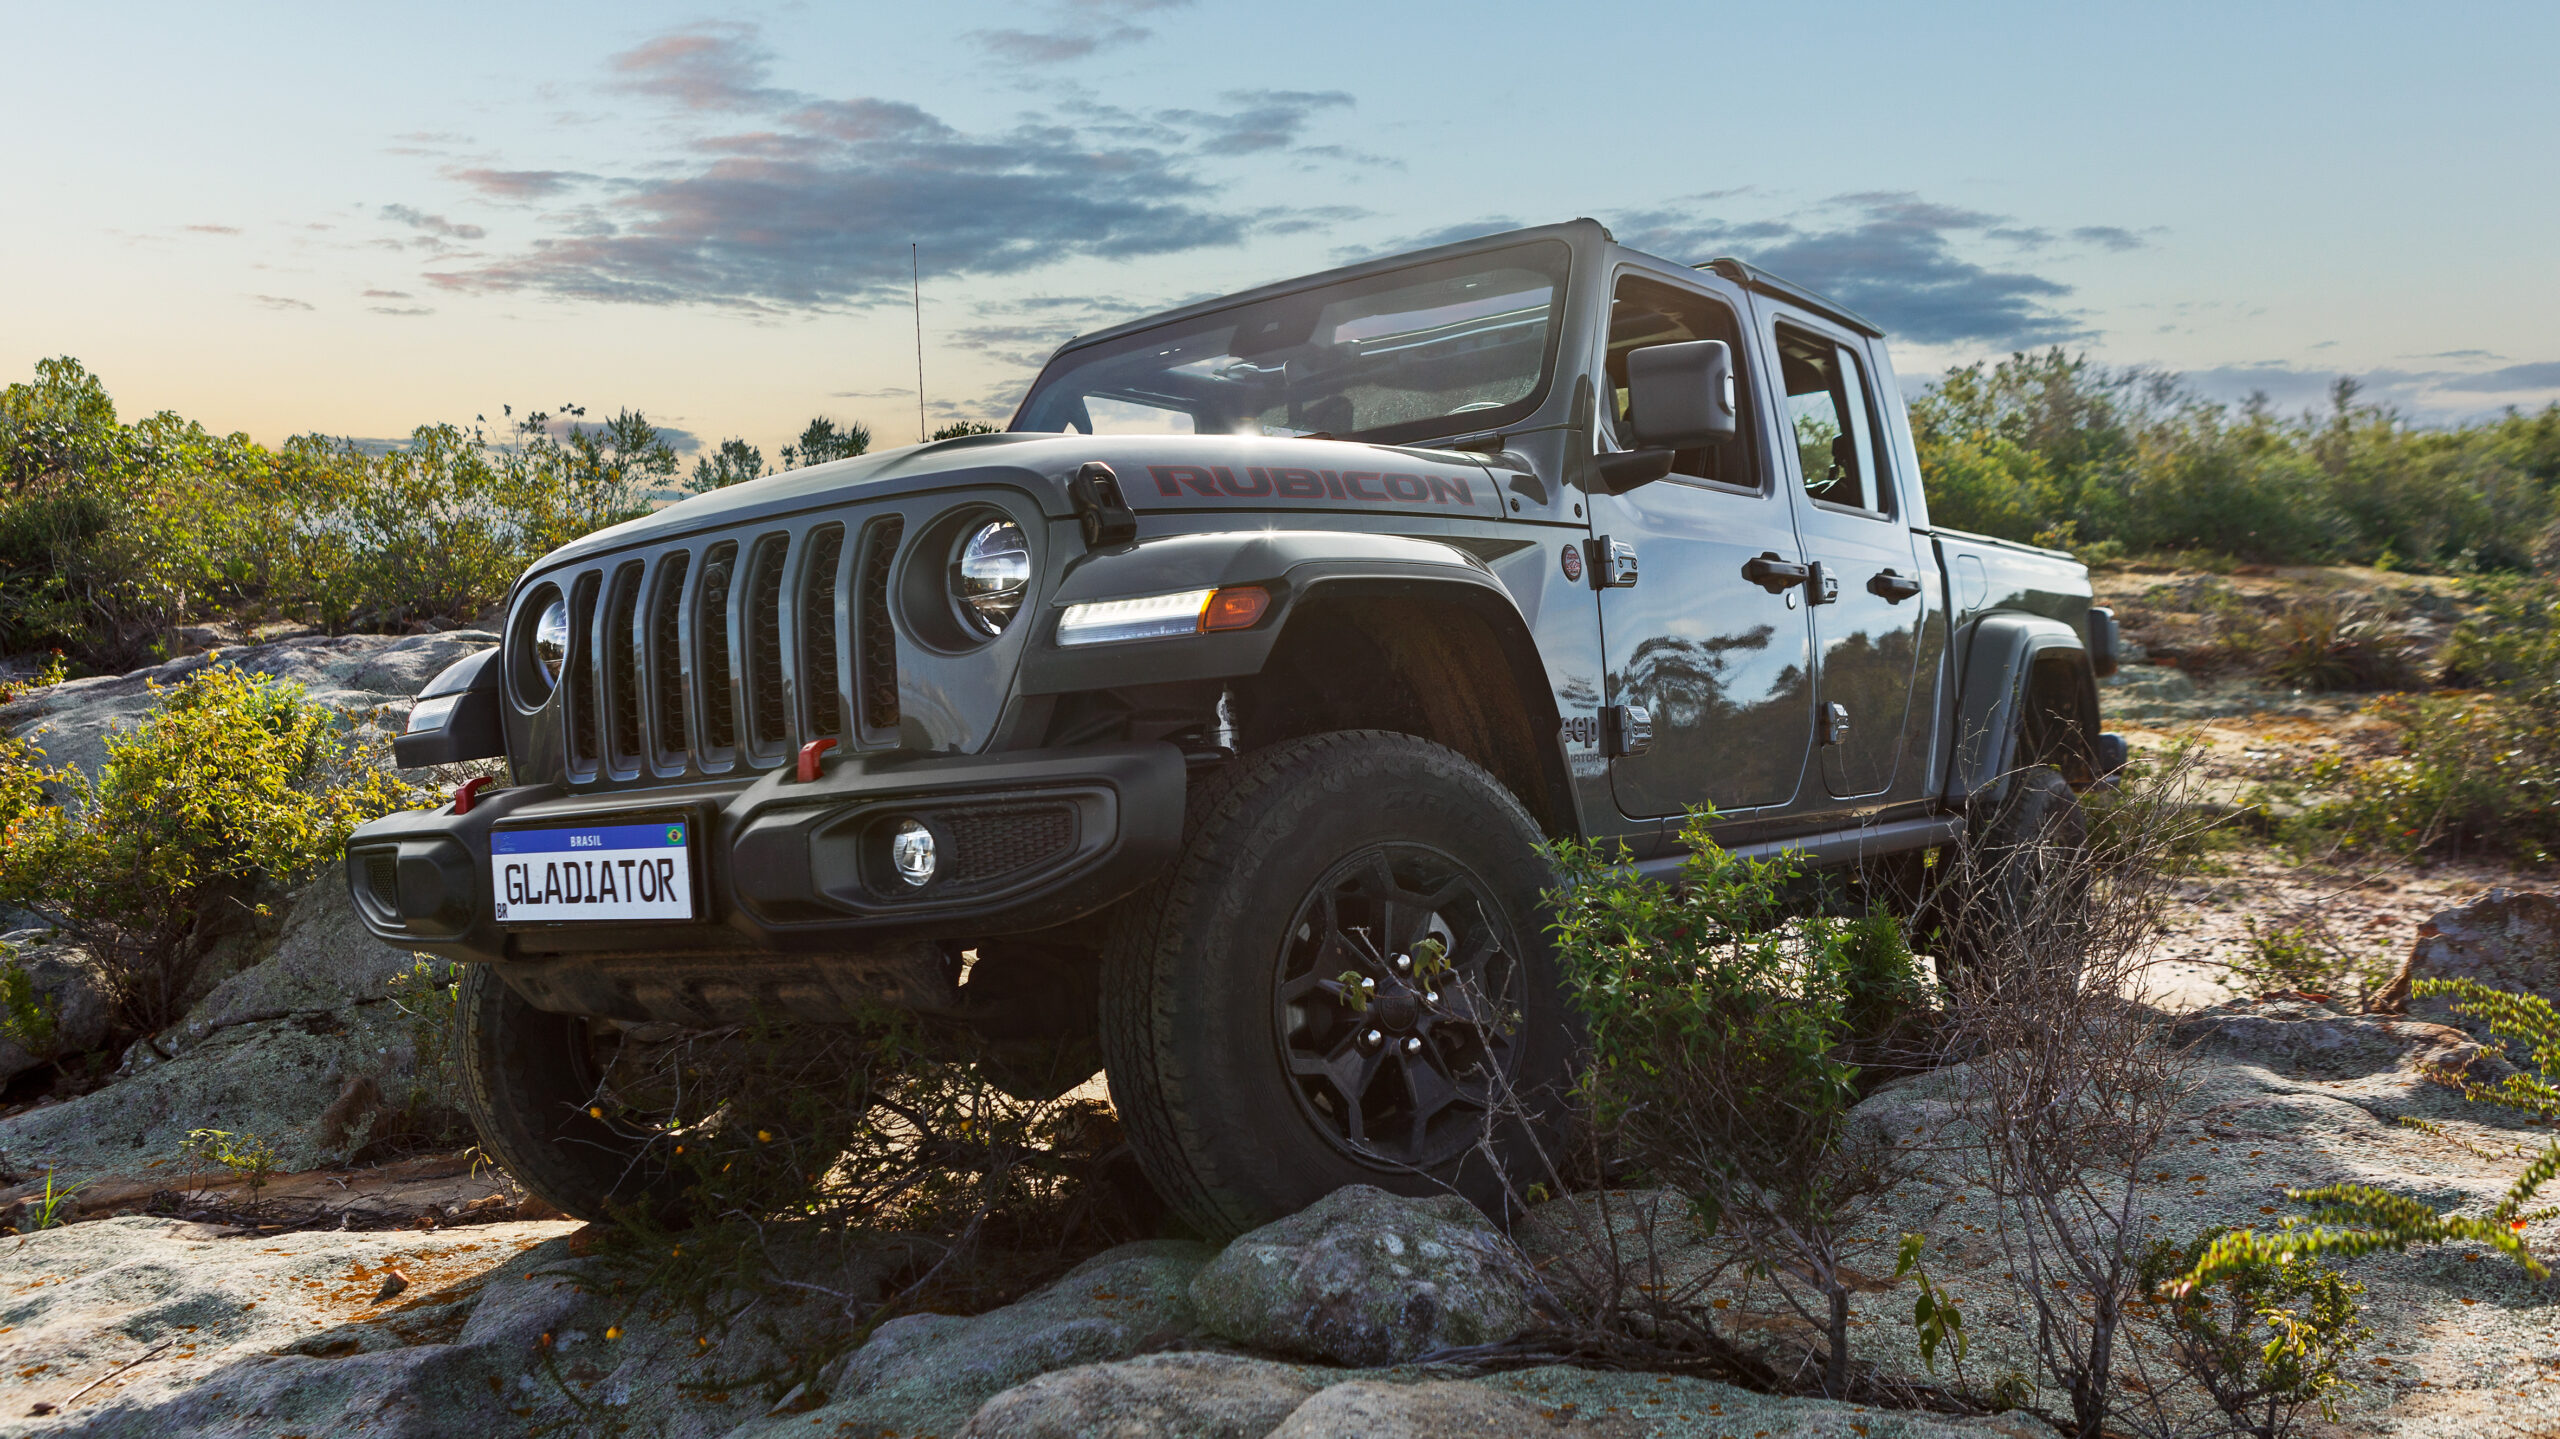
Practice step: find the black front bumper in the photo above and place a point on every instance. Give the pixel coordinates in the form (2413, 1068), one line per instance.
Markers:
(1029, 839)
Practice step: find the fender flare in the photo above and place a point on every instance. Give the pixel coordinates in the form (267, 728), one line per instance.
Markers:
(1994, 707)
(1298, 567)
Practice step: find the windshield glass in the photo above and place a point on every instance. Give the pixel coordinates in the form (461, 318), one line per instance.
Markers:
(1460, 344)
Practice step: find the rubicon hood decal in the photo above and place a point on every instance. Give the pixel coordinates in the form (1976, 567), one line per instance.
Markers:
(1257, 482)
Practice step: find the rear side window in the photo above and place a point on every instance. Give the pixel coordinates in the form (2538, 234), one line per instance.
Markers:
(1832, 415)
(1648, 312)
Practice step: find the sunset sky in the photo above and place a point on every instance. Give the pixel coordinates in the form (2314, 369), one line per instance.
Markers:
(357, 219)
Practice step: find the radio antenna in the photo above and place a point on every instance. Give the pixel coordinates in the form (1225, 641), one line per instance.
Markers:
(915, 282)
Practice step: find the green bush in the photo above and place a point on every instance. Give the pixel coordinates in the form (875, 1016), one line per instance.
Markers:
(1724, 1040)
(2058, 448)
(2265, 1337)
(233, 783)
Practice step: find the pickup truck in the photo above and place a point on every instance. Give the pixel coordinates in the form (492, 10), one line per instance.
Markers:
(1204, 725)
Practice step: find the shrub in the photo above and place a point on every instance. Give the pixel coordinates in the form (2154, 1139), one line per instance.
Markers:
(1722, 1064)
(2265, 1338)
(234, 782)
(2329, 643)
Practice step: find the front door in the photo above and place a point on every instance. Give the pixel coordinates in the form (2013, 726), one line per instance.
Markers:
(1722, 664)
(1867, 598)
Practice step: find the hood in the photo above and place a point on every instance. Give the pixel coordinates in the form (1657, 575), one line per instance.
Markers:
(1157, 472)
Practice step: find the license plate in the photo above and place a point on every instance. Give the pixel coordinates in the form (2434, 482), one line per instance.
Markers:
(601, 872)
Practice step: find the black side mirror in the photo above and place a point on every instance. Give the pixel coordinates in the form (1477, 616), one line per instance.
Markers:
(1681, 397)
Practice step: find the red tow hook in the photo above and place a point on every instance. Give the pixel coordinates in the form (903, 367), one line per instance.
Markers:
(469, 795)
(808, 767)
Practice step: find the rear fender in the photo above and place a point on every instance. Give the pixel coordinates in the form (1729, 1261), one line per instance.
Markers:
(2029, 697)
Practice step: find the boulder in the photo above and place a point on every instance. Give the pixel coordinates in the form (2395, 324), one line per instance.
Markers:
(1436, 1409)
(358, 674)
(927, 1373)
(1366, 1277)
(322, 958)
(2503, 939)
(1154, 1396)
(67, 992)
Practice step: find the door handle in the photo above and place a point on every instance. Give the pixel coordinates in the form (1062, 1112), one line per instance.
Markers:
(1892, 587)
(1773, 574)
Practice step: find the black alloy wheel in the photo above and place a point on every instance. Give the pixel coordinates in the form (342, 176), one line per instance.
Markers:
(1344, 980)
(1395, 1005)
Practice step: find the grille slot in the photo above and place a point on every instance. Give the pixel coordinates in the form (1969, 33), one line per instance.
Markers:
(666, 657)
(876, 644)
(580, 670)
(382, 876)
(622, 668)
(761, 631)
(988, 844)
(822, 675)
(711, 643)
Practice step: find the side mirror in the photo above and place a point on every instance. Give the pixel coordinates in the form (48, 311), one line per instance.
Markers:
(1681, 397)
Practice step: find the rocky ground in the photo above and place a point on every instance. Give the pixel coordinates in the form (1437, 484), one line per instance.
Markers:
(377, 1289)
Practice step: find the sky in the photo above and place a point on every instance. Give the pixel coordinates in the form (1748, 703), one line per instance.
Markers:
(354, 220)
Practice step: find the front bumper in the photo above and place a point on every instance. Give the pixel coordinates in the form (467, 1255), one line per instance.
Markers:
(1029, 839)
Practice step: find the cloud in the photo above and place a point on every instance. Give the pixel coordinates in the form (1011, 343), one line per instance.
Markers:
(708, 67)
(2108, 237)
(1890, 255)
(814, 201)
(1086, 27)
(434, 225)
(400, 310)
(2542, 376)
(1266, 120)
(282, 302)
(519, 184)
(214, 229)
(387, 295)
(1444, 235)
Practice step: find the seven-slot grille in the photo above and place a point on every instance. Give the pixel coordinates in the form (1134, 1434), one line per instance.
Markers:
(730, 652)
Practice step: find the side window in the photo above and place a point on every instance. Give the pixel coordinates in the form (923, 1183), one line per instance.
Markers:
(1648, 312)
(1829, 411)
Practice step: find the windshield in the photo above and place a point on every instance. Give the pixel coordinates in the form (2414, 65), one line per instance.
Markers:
(1460, 344)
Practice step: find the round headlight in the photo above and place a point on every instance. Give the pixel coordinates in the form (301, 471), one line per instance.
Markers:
(551, 641)
(991, 573)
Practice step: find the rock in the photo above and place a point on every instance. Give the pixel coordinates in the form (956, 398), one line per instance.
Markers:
(1154, 1396)
(929, 1372)
(67, 991)
(1439, 1409)
(2503, 939)
(272, 1078)
(2307, 1037)
(355, 673)
(1663, 1406)
(322, 958)
(497, 1331)
(1366, 1277)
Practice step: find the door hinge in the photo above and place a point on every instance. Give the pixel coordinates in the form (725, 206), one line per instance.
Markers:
(1835, 723)
(1613, 563)
(1625, 730)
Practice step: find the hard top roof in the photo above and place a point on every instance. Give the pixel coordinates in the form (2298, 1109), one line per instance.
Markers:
(1741, 273)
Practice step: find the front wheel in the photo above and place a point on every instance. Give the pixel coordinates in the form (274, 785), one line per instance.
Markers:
(2017, 901)
(533, 1081)
(1345, 980)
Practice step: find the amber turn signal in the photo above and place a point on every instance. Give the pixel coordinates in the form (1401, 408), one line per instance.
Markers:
(1235, 608)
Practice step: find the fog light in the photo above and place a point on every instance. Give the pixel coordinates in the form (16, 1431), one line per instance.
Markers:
(911, 851)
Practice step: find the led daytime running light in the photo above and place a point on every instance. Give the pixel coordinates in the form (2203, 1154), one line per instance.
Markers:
(1148, 618)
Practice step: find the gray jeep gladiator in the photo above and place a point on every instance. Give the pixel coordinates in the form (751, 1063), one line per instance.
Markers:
(1203, 726)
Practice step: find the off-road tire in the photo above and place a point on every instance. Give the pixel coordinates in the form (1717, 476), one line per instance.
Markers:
(1190, 1018)
(528, 1077)
(2019, 893)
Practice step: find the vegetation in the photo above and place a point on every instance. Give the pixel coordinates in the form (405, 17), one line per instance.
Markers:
(234, 783)
(249, 1157)
(1724, 1043)
(2057, 449)
(2264, 1338)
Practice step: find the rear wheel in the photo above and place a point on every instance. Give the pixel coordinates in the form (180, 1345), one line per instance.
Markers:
(531, 1080)
(1345, 980)
(2018, 899)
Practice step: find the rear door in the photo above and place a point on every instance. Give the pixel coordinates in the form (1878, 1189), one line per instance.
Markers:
(1868, 600)
(1721, 664)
